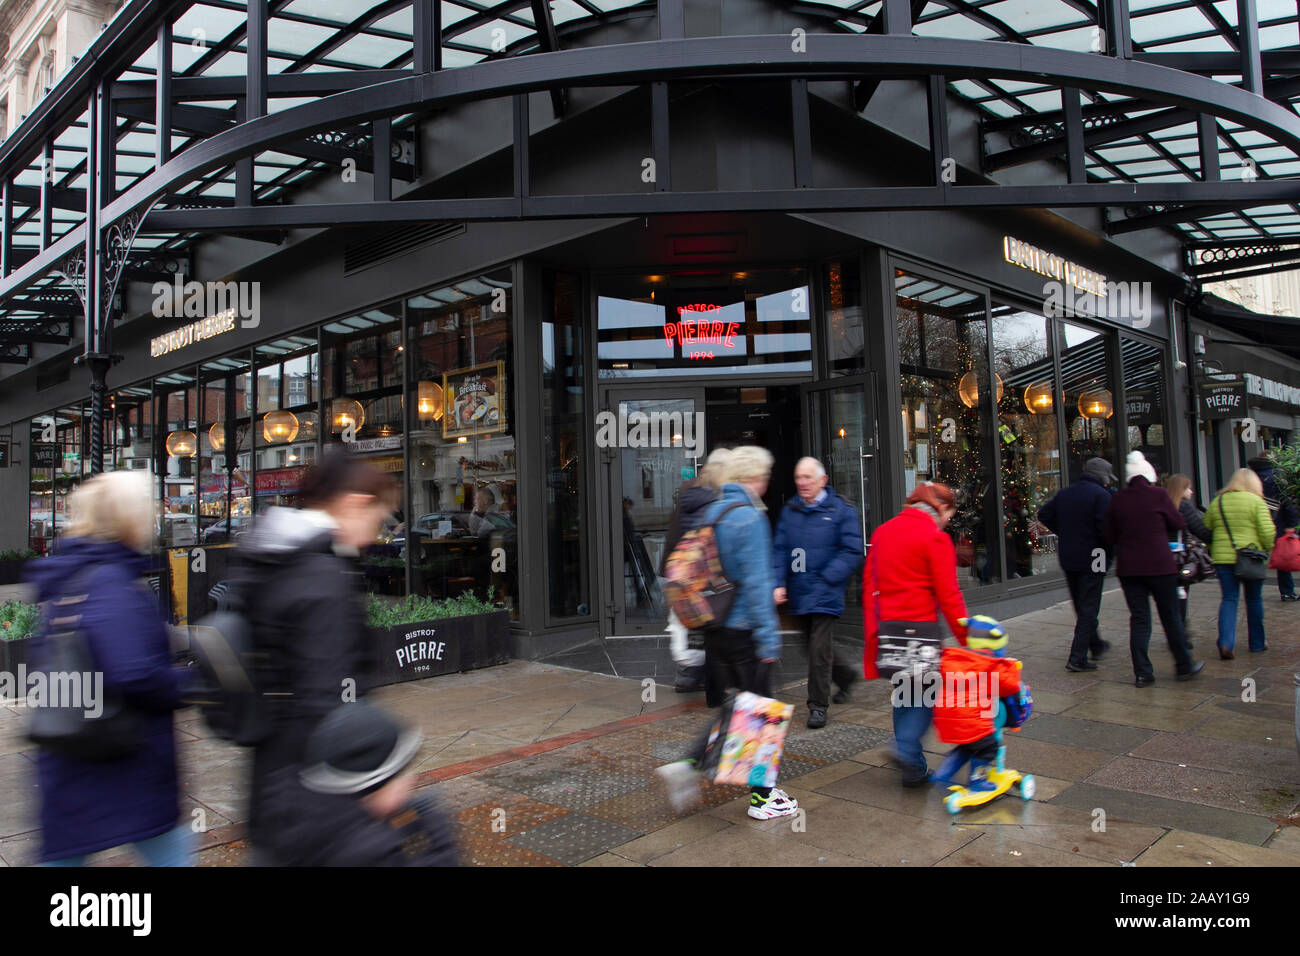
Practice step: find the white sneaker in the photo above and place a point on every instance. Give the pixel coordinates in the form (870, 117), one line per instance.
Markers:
(778, 804)
(682, 783)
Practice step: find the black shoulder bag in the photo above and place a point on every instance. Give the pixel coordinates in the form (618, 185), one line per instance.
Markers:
(1252, 564)
(62, 721)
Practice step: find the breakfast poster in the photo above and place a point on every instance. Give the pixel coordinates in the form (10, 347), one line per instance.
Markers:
(476, 400)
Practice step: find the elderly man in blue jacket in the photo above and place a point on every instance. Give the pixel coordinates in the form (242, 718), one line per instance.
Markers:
(1077, 515)
(818, 544)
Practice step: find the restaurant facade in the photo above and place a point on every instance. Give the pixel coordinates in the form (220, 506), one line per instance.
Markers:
(542, 387)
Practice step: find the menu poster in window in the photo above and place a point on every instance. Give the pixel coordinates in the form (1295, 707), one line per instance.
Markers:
(476, 400)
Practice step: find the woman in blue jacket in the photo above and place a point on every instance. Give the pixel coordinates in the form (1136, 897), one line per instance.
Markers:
(740, 654)
(88, 806)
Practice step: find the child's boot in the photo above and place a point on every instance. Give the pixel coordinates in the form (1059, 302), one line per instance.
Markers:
(979, 776)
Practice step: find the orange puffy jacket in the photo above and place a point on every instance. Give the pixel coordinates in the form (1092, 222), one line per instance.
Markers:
(965, 705)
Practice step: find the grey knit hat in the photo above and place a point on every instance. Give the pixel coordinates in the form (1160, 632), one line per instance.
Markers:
(1099, 468)
(356, 749)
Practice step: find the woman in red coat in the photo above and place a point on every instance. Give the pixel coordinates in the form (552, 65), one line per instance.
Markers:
(911, 575)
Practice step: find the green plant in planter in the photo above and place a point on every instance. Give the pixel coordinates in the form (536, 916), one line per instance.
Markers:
(415, 608)
(1286, 465)
(25, 555)
(18, 620)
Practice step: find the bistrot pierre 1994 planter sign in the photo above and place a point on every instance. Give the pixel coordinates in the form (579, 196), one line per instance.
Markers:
(443, 646)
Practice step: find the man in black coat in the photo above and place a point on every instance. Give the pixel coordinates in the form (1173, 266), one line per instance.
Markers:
(1077, 516)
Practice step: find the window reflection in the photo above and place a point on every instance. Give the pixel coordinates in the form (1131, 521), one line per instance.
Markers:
(704, 324)
(948, 423)
(462, 527)
(1028, 436)
(1144, 401)
(1089, 397)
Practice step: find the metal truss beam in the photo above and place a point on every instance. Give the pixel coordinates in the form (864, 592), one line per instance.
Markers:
(1227, 194)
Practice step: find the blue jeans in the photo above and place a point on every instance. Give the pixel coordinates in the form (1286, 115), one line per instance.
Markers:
(173, 848)
(910, 725)
(1285, 583)
(1228, 610)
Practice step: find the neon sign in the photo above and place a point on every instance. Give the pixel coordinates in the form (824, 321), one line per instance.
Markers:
(688, 330)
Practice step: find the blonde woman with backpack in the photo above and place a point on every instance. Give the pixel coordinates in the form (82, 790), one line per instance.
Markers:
(1239, 518)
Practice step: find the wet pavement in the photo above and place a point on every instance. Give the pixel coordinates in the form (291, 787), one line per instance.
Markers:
(547, 765)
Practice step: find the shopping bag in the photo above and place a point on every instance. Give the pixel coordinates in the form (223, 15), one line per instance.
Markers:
(746, 744)
(1286, 553)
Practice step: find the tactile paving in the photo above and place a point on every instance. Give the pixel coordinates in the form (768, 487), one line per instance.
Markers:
(575, 837)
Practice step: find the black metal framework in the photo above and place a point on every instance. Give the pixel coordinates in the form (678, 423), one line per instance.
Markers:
(190, 118)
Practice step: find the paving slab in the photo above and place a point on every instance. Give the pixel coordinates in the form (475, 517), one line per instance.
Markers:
(878, 836)
(1196, 785)
(1133, 714)
(1005, 848)
(741, 846)
(1184, 848)
(1238, 757)
(1044, 757)
(574, 837)
(1085, 734)
(609, 859)
(1121, 805)
(667, 839)
(880, 787)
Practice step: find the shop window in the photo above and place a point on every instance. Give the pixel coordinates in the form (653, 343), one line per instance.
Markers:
(710, 324)
(949, 413)
(287, 416)
(564, 429)
(1029, 440)
(361, 407)
(177, 450)
(225, 451)
(58, 441)
(845, 333)
(462, 529)
(1144, 402)
(1087, 381)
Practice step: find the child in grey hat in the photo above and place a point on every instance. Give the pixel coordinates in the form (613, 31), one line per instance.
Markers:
(350, 802)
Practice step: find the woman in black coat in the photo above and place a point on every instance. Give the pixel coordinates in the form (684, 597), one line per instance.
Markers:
(1180, 492)
(298, 579)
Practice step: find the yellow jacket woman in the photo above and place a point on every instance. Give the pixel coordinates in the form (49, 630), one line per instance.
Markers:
(1239, 518)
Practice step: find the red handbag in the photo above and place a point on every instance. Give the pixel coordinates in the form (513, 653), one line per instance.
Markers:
(1286, 553)
(965, 552)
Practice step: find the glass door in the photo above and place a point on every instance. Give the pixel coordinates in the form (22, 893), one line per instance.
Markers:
(842, 436)
(651, 442)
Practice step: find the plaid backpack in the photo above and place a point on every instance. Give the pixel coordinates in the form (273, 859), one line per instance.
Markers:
(696, 587)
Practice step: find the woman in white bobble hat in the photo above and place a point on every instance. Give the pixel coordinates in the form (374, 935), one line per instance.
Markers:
(1139, 523)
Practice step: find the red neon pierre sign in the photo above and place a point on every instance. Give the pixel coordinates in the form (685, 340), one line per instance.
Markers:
(700, 331)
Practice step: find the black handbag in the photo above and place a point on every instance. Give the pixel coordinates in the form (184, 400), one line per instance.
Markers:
(905, 647)
(1252, 564)
(1194, 563)
(67, 723)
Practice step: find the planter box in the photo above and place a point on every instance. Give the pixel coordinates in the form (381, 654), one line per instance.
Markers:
(11, 572)
(13, 653)
(444, 646)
